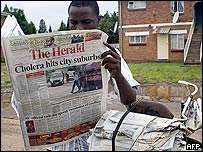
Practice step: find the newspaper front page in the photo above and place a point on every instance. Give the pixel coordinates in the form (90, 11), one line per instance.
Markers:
(60, 86)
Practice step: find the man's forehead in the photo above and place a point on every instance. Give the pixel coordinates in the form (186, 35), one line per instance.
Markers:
(87, 10)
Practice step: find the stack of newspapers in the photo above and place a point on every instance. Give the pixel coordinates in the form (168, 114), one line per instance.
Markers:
(138, 132)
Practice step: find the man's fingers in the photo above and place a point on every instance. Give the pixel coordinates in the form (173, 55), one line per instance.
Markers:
(110, 60)
(113, 54)
(111, 67)
(109, 46)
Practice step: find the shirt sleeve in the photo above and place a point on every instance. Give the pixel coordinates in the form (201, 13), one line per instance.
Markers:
(14, 104)
(128, 76)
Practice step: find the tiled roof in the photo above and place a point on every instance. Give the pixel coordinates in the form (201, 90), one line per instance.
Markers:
(5, 14)
(164, 30)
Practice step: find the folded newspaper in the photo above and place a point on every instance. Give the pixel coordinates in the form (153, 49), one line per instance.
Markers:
(138, 132)
(59, 83)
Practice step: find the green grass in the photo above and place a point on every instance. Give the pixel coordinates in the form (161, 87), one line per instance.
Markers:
(165, 72)
(5, 78)
(2, 60)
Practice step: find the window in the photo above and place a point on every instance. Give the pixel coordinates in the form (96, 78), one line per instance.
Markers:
(136, 4)
(137, 39)
(177, 41)
(177, 6)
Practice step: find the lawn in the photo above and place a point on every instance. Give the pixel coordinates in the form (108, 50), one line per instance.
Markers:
(165, 72)
(5, 78)
(147, 73)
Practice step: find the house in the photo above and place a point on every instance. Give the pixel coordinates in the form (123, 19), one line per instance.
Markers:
(169, 31)
(3, 18)
(9, 27)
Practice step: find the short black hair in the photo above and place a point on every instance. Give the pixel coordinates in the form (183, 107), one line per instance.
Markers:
(92, 4)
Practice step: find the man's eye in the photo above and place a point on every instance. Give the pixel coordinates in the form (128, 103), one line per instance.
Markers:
(73, 22)
(86, 22)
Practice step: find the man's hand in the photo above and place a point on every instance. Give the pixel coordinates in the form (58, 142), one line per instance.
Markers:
(153, 108)
(112, 61)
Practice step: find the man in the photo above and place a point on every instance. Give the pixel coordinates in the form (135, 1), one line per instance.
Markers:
(50, 42)
(85, 15)
(30, 127)
(93, 76)
(63, 75)
(75, 82)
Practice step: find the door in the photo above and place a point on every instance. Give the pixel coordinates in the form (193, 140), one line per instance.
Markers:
(162, 46)
(198, 13)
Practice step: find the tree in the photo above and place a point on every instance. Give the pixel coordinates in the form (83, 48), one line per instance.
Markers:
(114, 36)
(42, 26)
(32, 28)
(62, 27)
(68, 28)
(50, 30)
(6, 9)
(11, 9)
(106, 24)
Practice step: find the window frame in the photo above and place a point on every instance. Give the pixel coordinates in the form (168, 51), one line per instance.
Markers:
(179, 40)
(139, 5)
(173, 7)
(137, 37)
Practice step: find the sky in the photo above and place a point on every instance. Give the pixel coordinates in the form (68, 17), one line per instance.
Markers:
(53, 12)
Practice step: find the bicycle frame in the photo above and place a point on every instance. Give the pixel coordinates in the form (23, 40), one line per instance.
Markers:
(193, 121)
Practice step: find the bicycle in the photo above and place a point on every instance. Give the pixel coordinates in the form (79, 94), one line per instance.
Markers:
(191, 111)
(191, 115)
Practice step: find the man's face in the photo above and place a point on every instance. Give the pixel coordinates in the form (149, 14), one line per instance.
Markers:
(51, 41)
(30, 125)
(82, 18)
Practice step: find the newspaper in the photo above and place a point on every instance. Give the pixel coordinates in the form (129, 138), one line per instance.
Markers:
(138, 132)
(59, 83)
